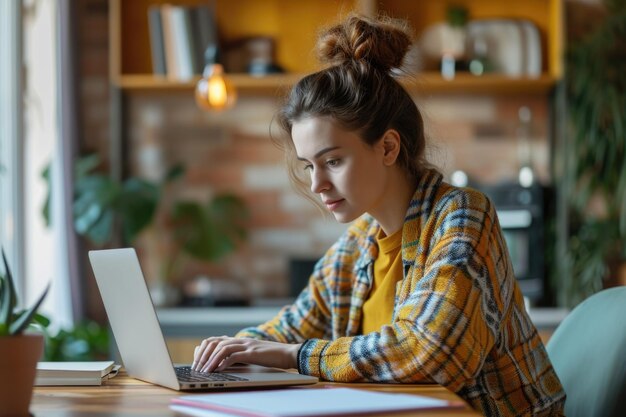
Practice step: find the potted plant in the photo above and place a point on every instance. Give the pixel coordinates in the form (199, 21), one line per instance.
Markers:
(594, 179)
(102, 206)
(209, 232)
(19, 352)
(84, 341)
(206, 232)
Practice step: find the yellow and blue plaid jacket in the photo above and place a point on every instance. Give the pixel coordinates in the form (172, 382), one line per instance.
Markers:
(459, 318)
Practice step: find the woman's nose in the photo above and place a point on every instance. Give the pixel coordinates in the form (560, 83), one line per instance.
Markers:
(319, 182)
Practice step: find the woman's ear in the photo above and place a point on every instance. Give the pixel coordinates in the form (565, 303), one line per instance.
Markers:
(391, 143)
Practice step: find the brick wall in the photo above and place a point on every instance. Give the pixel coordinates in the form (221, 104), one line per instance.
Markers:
(93, 67)
(231, 151)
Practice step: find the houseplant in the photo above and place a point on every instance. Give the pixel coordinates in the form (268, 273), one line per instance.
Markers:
(103, 205)
(19, 352)
(104, 208)
(594, 178)
(205, 232)
(85, 341)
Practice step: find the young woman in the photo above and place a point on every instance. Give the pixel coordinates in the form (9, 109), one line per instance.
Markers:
(420, 287)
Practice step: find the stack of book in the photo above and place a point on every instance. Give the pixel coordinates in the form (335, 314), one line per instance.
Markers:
(75, 373)
(179, 39)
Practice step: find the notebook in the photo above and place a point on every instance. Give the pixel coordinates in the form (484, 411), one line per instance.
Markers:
(140, 341)
(302, 402)
(75, 373)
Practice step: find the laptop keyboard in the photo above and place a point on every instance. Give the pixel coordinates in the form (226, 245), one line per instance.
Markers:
(186, 374)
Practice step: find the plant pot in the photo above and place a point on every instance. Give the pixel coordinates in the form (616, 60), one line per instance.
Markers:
(18, 365)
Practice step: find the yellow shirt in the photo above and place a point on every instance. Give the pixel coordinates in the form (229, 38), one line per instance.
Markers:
(378, 308)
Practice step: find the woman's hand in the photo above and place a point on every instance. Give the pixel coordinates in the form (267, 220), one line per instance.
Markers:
(218, 353)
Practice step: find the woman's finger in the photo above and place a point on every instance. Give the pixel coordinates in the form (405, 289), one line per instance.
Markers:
(221, 352)
(206, 350)
(198, 351)
(195, 355)
(241, 356)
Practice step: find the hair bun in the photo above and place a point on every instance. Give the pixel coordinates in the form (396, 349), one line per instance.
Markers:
(381, 42)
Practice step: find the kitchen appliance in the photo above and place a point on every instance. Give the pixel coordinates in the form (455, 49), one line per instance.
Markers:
(522, 215)
(300, 270)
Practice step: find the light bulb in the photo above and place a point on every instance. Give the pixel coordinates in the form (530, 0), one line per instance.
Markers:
(214, 91)
(526, 177)
(459, 178)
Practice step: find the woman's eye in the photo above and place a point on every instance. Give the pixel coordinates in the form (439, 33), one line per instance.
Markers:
(332, 162)
(308, 167)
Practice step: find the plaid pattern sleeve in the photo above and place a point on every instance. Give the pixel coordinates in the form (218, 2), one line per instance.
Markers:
(459, 318)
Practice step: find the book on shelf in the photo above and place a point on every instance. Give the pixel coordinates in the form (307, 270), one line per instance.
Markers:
(204, 32)
(157, 49)
(75, 373)
(306, 402)
(179, 38)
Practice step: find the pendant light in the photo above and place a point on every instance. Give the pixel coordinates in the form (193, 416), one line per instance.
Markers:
(214, 91)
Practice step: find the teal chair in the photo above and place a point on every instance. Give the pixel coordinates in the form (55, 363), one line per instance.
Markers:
(588, 352)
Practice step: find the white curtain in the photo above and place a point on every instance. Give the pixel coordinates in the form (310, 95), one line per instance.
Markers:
(49, 134)
(68, 265)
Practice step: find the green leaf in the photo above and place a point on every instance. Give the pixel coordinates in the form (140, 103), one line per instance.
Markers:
(174, 173)
(136, 206)
(195, 231)
(42, 320)
(26, 317)
(101, 231)
(456, 16)
(45, 210)
(8, 299)
(229, 213)
(87, 212)
(101, 186)
(212, 231)
(101, 203)
(86, 341)
(86, 164)
(94, 205)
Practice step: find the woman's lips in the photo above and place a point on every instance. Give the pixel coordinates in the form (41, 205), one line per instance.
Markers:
(332, 205)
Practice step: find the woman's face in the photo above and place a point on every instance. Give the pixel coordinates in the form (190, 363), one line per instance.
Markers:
(349, 175)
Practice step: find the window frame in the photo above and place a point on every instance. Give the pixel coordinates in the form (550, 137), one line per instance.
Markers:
(11, 147)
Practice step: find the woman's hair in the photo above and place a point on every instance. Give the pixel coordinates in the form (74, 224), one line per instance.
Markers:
(357, 90)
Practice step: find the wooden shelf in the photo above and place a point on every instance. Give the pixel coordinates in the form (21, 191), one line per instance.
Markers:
(423, 83)
(245, 84)
(434, 83)
(293, 26)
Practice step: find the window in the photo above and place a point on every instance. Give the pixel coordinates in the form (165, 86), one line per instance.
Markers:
(11, 151)
(29, 141)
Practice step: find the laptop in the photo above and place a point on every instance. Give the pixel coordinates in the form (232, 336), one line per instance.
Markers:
(141, 343)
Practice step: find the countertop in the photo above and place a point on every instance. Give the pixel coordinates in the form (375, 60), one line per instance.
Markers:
(216, 321)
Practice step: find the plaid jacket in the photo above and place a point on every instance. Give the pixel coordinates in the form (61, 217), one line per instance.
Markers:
(459, 318)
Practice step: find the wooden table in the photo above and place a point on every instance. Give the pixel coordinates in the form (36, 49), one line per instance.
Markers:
(124, 396)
